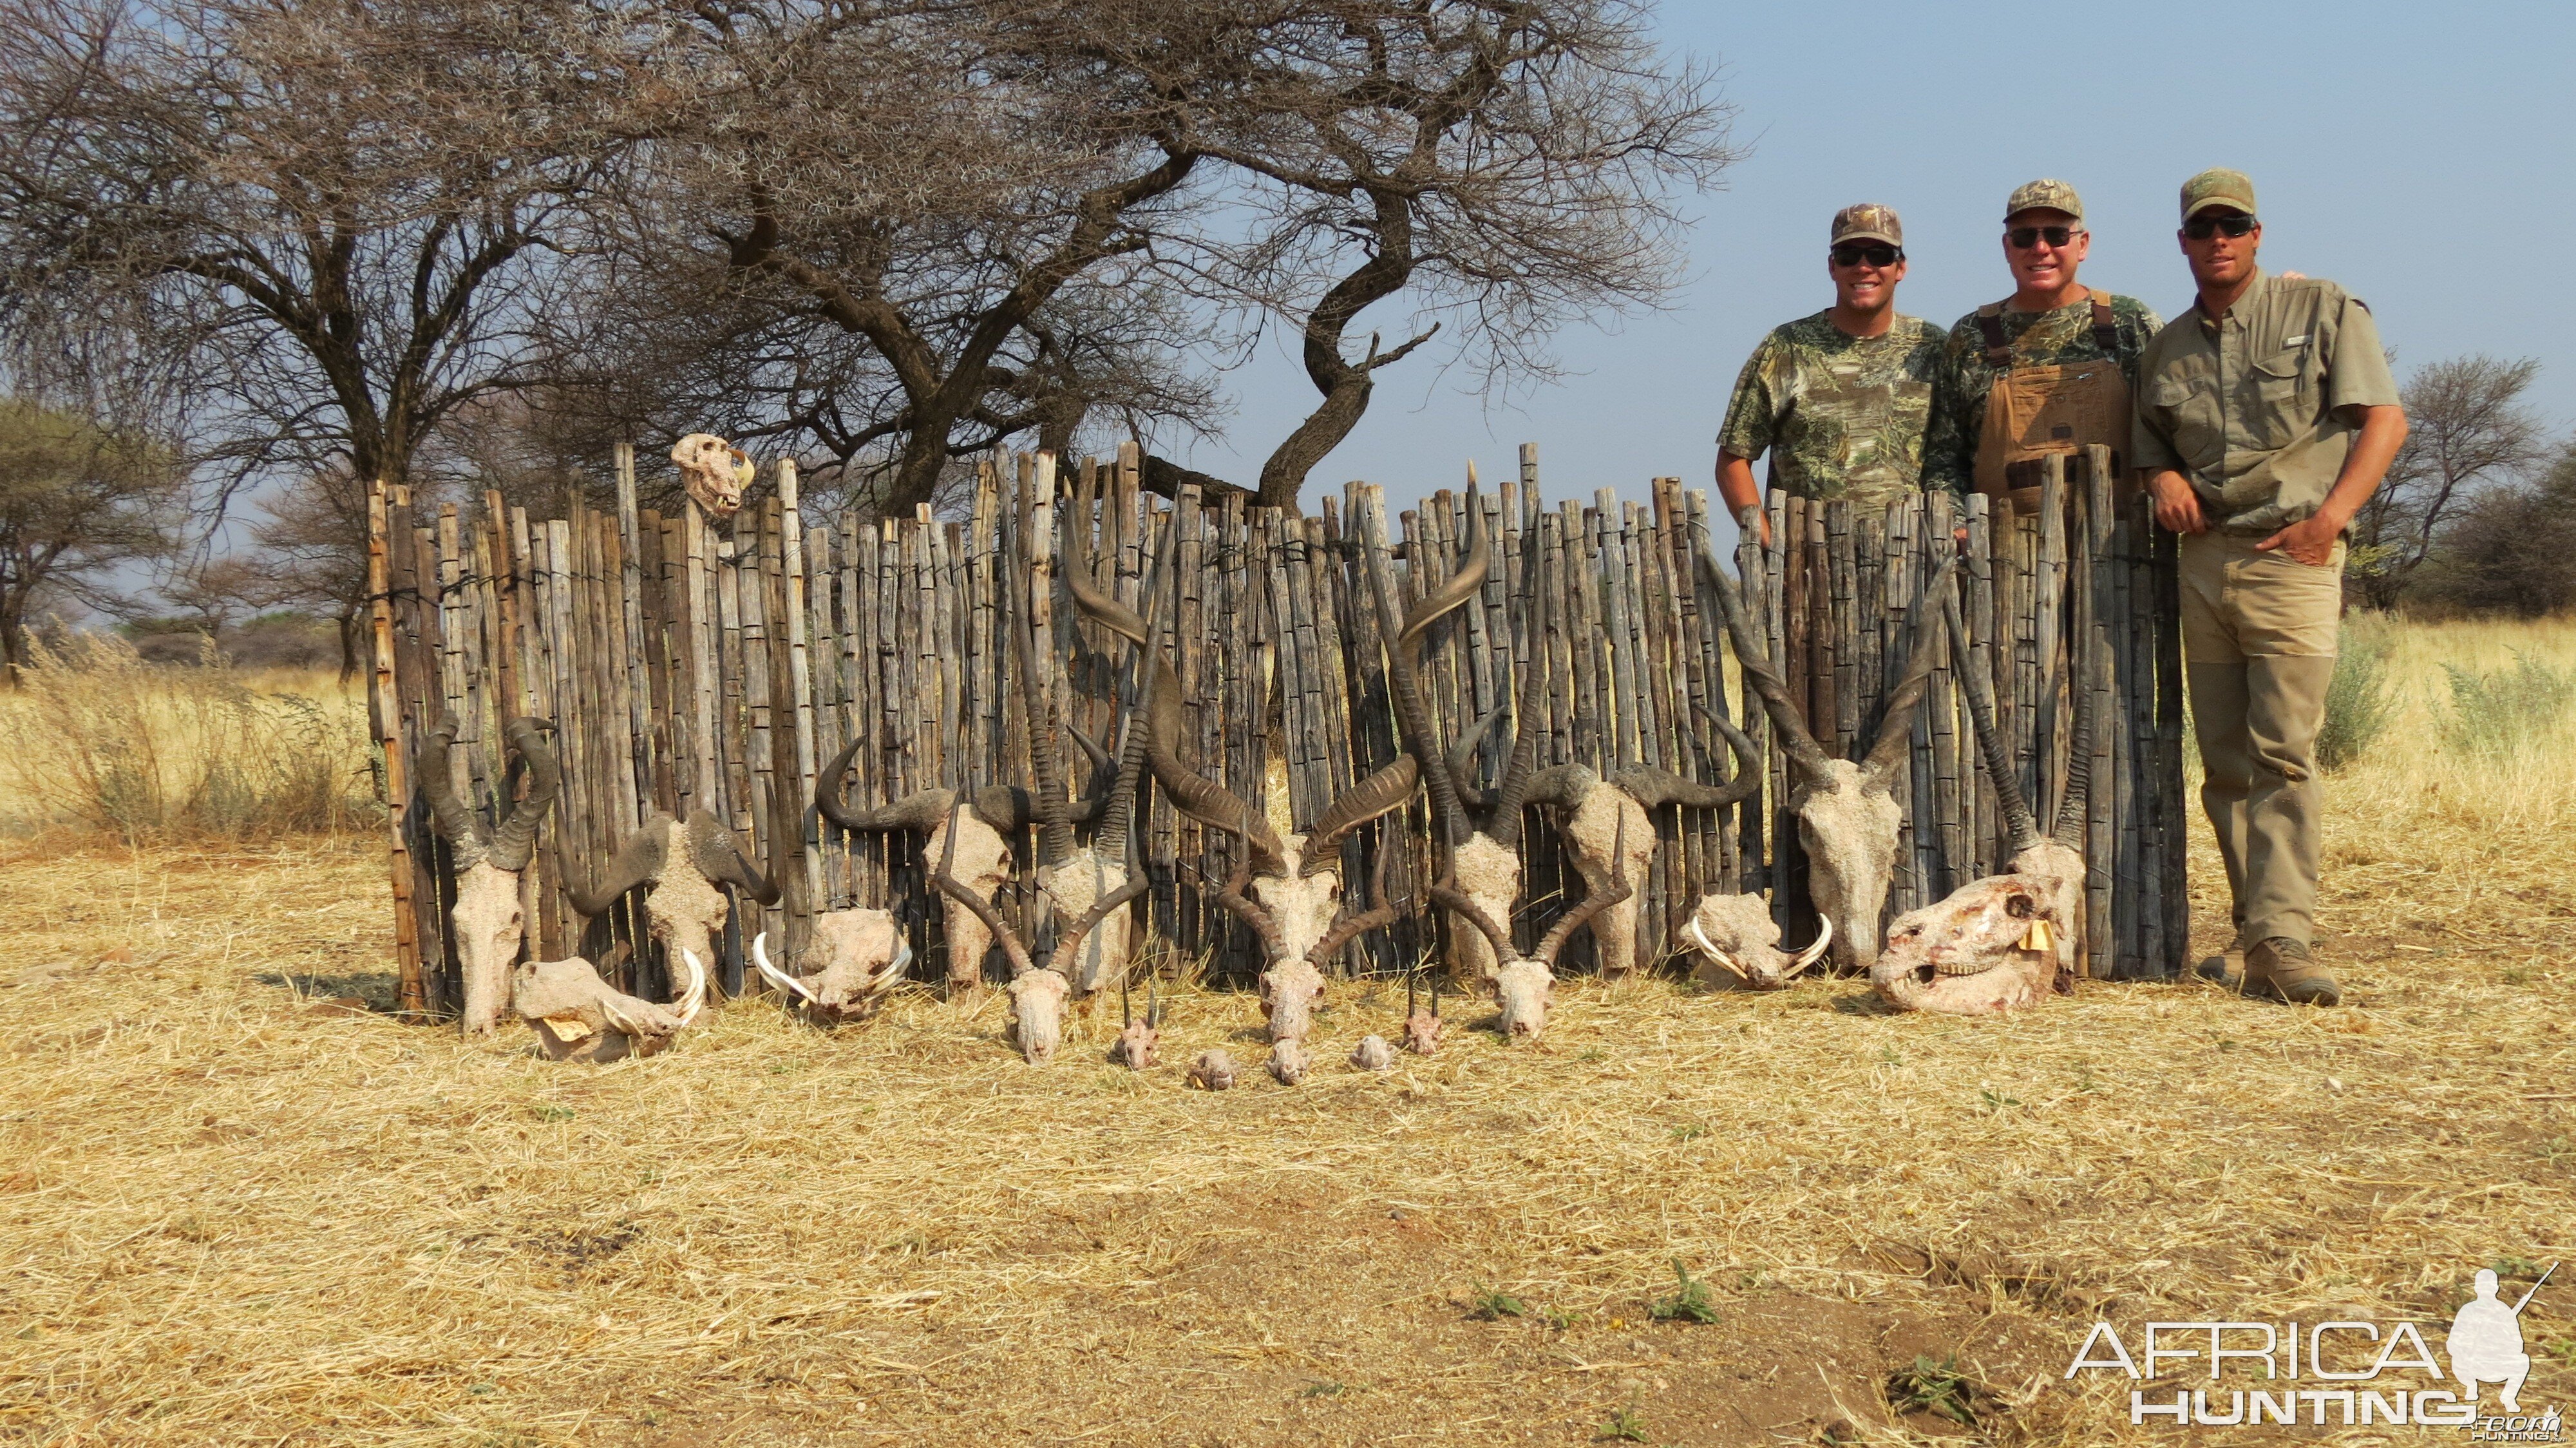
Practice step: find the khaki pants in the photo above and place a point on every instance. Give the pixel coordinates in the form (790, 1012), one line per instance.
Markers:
(2258, 630)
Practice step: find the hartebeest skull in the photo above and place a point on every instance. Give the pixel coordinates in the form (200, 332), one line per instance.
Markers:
(2008, 940)
(1037, 996)
(714, 472)
(1477, 833)
(1524, 985)
(489, 924)
(578, 1018)
(1847, 815)
(680, 864)
(856, 956)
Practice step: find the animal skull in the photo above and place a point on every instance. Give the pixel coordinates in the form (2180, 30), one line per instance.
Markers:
(1737, 936)
(578, 1018)
(1524, 985)
(1212, 1071)
(1373, 1054)
(681, 864)
(863, 955)
(1037, 1013)
(1289, 1062)
(1037, 996)
(1421, 1027)
(487, 915)
(1291, 993)
(714, 471)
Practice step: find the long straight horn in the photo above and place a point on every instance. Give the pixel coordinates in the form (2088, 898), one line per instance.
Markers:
(516, 838)
(1768, 686)
(1896, 727)
(448, 815)
(1153, 1003)
(1990, 740)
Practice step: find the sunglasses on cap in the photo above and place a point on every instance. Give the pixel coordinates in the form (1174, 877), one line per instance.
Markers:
(1873, 253)
(2200, 227)
(2026, 237)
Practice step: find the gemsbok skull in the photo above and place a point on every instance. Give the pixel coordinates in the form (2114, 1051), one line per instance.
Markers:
(1525, 985)
(578, 1018)
(1847, 814)
(489, 923)
(2008, 940)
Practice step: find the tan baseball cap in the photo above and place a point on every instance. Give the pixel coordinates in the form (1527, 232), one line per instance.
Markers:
(2218, 186)
(2044, 194)
(1868, 221)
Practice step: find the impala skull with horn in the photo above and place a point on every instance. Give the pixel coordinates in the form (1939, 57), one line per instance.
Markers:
(2008, 940)
(1525, 985)
(1847, 814)
(1037, 995)
(489, 923)
(680, 864)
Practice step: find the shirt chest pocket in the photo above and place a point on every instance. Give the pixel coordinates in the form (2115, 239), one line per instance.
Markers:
(2191, 404)
(2280, 397)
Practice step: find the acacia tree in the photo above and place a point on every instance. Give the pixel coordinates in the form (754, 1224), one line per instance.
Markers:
(2467, 428)
(78, 500)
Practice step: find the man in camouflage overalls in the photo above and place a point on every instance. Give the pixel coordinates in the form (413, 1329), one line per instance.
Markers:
(1839, 399)
(2267, 419)
(2050, 369)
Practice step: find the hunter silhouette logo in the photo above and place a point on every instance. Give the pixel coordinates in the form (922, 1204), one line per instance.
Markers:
(2362, 1373)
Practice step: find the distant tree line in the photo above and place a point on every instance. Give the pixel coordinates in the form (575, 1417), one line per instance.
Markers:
(285, 249)
(2478, 513)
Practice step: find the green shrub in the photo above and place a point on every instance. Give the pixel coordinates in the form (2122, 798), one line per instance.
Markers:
(2363, 696)
(2502, 715)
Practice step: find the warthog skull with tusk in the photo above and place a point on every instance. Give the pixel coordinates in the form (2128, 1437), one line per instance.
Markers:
(1037, 996)
(2008, 940)
(856, 957)
(489, 922)
(714, 472)
(1736, 935)
(1525, 985)
(1847, 815)
(578, 1018)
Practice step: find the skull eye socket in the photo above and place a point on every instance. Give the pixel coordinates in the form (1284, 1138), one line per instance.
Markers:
(1926, 973)
(2020, 907)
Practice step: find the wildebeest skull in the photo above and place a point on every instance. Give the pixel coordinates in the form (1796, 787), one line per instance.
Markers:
(1847, 816)
(856, 956)
(578, 1018)
(680, 864)
(714, 471)
(1037, 996)
(1525, 985)
(489, 923)
(2008, 940)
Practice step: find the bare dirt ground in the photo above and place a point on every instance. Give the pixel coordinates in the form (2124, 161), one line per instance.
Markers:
(232, 1211)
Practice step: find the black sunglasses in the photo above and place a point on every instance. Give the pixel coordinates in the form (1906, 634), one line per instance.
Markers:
(2200, 227)
(2027, 237)
(1877, 255)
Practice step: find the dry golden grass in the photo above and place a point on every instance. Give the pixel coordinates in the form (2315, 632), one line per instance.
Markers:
(232, 1214)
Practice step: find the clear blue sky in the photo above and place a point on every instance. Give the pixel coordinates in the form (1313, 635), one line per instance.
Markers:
(2420, 155)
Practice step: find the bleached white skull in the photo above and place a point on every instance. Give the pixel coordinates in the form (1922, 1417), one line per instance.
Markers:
(714, 471)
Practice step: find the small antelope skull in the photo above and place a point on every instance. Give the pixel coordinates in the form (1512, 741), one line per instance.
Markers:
(857, 956)
(1525, 985)
(714, 471)
(1212, 1071)
(489, 924)
(1421, 1027)
(2008, 940)
(1139, 1042)
(1373, 1054)
(1290, 1061)
(578, 1018)
(1847, 815)
(1037, 996)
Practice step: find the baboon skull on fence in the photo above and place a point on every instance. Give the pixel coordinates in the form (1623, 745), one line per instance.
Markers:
(578, 1018)
(489, 923)
(714, 471)
(1847, 815)
(2008, 940)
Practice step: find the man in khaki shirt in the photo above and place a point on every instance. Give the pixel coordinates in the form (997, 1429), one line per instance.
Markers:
(2266, 417)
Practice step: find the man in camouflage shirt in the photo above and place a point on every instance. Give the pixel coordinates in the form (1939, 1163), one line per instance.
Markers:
(1839, 399)
(2049, 321)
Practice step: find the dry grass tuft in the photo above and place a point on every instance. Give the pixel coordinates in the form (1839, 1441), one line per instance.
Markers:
(234, 1211)
(99, 741)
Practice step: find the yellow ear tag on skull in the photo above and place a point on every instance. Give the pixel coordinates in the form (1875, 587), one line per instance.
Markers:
(567, 1029)
(2039, 937)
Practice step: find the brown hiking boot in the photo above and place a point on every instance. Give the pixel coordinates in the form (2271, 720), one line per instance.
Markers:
(2282, 969)
(2227, 968)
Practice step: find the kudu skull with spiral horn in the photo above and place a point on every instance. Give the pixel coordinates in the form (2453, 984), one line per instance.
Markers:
(1847, 813)
(2008, 940)
(489, 922)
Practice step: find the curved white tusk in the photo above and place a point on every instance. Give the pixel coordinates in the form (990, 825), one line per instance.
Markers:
(1808, 956)
(895, 968)
(618, 1020)
(697, 995)
(1716, 956)
(775, 976)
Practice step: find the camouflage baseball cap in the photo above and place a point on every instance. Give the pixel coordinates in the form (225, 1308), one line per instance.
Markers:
(2218, 186)
(1868, 221)
(2044, 193)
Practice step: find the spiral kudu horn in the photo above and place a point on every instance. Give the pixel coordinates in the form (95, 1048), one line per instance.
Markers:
(467, 845)
(1594, 901)
(1412, 712)
(1053, 816)
(1896, 725)
(516, 836)
(1204, 800)
(1120, 811)
(1990, 740)
(1768, 686)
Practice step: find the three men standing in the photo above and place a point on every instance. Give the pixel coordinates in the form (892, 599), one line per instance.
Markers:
(2260, 420)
